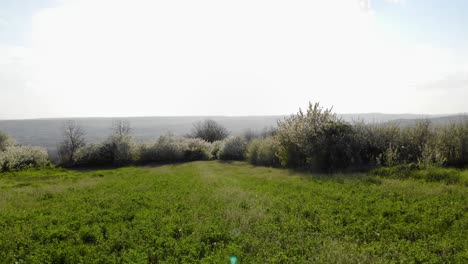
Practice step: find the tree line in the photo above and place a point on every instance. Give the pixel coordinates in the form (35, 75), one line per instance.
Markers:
(313, 139)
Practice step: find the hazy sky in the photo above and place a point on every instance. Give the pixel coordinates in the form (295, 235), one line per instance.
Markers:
(66, 58)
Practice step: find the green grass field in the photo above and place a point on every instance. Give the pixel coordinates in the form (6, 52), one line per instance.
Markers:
(204, 212)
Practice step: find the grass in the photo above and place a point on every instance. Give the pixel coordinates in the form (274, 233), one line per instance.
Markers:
(204, 212)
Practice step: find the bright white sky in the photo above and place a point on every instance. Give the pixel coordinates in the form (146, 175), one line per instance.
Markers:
(243, 57)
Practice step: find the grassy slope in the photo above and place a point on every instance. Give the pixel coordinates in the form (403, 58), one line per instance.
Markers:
(207, 211)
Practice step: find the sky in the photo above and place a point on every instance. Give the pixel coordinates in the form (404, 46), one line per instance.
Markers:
(89, 58)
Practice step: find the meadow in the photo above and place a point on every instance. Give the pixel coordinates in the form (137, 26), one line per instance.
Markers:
(207, 211)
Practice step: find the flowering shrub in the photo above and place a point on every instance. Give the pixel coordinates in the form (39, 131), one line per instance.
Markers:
(169, 148)
(233, 149)
(263, 152)
(20, 157)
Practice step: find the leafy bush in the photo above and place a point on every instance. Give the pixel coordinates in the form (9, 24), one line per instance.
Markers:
(452, 143)
(209, 130)
(92, 155)
(317, 140)
(233, 149)
(20, 157)
(263, 152)
(196, 149)
(176, 149)
(120, 150)
(115, 151)
(216, 148)
(166, 149)
(5, 141)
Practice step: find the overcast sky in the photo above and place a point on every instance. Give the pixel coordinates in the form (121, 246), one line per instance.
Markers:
(70, 58)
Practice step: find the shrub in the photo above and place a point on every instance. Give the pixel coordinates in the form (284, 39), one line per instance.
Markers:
(20, 157)
(263, 152)
(166, 149)
(317, 140)
(196, 149)
(209, 130)
(120, 150)
(452, 143)
(92, 155)
(115, 151)
(233, 149)
(5, 141)
(414, 140)
(176, 149)
(216, 148)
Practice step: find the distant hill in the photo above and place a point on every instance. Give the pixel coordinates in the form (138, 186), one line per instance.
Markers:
(437, 121)
(47, 132)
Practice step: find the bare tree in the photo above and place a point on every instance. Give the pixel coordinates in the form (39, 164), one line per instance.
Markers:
(121, 128)
(73, 139)
(209, 130)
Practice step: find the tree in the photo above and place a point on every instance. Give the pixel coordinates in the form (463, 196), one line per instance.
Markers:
(120, 148)
(209, 130)
(73, 139)
(121, 128)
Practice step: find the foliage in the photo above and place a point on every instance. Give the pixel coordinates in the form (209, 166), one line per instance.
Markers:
(120, 150)
(317, 140)
(233, 148)
(21, 157)
(416, 171)
(92, 155)
(169, 148)
(205, 212)
(452, 143)
(216, 148)
(209, 130)
(5, 141)
(263, 152)
(196, 149)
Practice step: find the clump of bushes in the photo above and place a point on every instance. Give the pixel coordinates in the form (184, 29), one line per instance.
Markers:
(263, 152)
(14, 157)
(317, 140)
(5, 141)
(209, 130)
(22, 157)
(233, 148)
(169, 149)
(91, 155)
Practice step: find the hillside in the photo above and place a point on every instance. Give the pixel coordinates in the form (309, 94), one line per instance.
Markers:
(208, 211)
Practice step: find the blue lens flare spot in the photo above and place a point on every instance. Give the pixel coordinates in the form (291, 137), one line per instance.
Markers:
(233, 260)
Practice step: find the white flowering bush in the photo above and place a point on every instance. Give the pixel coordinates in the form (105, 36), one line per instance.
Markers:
(21, 157)
(91, 155)
(169, 148)
(263, 152)
(196, 149)
(5, 141)
(233, 148)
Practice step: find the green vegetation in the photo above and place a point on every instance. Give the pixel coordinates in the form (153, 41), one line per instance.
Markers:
(204, 212)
